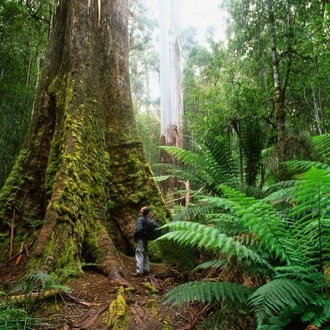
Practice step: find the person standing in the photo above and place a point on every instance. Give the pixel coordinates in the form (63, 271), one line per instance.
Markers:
(141, 250)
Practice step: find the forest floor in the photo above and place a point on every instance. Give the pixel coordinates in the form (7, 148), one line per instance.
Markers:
(86, 306)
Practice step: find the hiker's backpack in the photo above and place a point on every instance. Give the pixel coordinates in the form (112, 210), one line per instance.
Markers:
(151, 229)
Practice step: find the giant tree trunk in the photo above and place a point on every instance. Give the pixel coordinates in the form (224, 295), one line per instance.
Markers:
(82, 173)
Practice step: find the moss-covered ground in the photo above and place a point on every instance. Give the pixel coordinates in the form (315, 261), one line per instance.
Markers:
(93, 303)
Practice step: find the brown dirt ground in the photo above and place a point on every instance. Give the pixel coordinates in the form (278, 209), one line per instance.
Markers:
(86, 306)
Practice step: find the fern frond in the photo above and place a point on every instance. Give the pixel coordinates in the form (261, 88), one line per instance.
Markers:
(230, 316)
(186, 256)
(207, 168)
(278, 295)
(272, 231)
(209, 264)
(263, 220)
(312, 214)
(322, 143)
(326, 308)
(283, 195)
(208, 237)
(39, 280)
(208, 292)
(308, 273)
(300, 166)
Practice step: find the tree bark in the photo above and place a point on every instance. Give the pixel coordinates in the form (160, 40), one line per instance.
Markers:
(82, 171)
(170, 86)
(278, 95)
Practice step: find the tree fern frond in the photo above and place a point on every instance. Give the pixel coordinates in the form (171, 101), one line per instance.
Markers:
(307, 273)
(201, 236)
(218, 263)
(278, 295)
(232, 226)
(313, 191)
(208, 291)
(271, 230)
(179, 171)
(186, 257)
(311, 211)
(279, 322)
(230, 316)
(326, 308)
(300, 166)
(283, 195)
(205, 168)
(203, 206)
(322, 143)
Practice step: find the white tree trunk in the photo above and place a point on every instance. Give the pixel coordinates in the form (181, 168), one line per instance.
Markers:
(176, 77)
(165, 81)
(170, 84)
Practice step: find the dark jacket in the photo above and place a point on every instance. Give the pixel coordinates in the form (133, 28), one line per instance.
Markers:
(139, 232)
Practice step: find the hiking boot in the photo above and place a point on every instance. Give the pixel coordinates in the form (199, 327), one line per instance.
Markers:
(137, 274)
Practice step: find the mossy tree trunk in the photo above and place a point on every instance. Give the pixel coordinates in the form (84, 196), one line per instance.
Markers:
(82, 174)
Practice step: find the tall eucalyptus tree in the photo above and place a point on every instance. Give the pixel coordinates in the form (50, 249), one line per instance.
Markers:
(171, 99)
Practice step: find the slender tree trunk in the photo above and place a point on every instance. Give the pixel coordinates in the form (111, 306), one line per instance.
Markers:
(82, 173)
(278, 94)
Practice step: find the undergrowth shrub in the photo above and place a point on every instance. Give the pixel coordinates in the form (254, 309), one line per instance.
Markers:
(18, 310)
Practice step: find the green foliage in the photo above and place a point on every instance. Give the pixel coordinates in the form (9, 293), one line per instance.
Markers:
(38, 281)
(15, 310)
(144, 64)
(206, 167)
(16, 318)
(24, 28)
(208, 291)
(277, 295)
(285, 247)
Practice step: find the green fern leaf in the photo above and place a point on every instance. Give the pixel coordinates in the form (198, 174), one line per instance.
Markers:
(208, 237)
(278, 295)
(322, 143)
(208, 292)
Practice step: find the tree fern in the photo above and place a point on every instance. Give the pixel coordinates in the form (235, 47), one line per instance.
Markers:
(208, 237)
(312, 214)
(206, 168)
(208, 291)
(285, 237)
(278, 295)
(266, 223)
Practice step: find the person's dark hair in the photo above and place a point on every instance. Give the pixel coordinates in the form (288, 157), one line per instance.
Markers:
(145, 210)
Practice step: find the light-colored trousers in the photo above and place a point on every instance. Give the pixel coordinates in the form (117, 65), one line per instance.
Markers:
(141, 256)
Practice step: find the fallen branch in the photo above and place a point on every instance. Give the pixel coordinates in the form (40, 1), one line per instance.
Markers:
(12, 235)
(20, 256)
(80, 301)
(137, 317)
(93, 318)
(19, 253)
